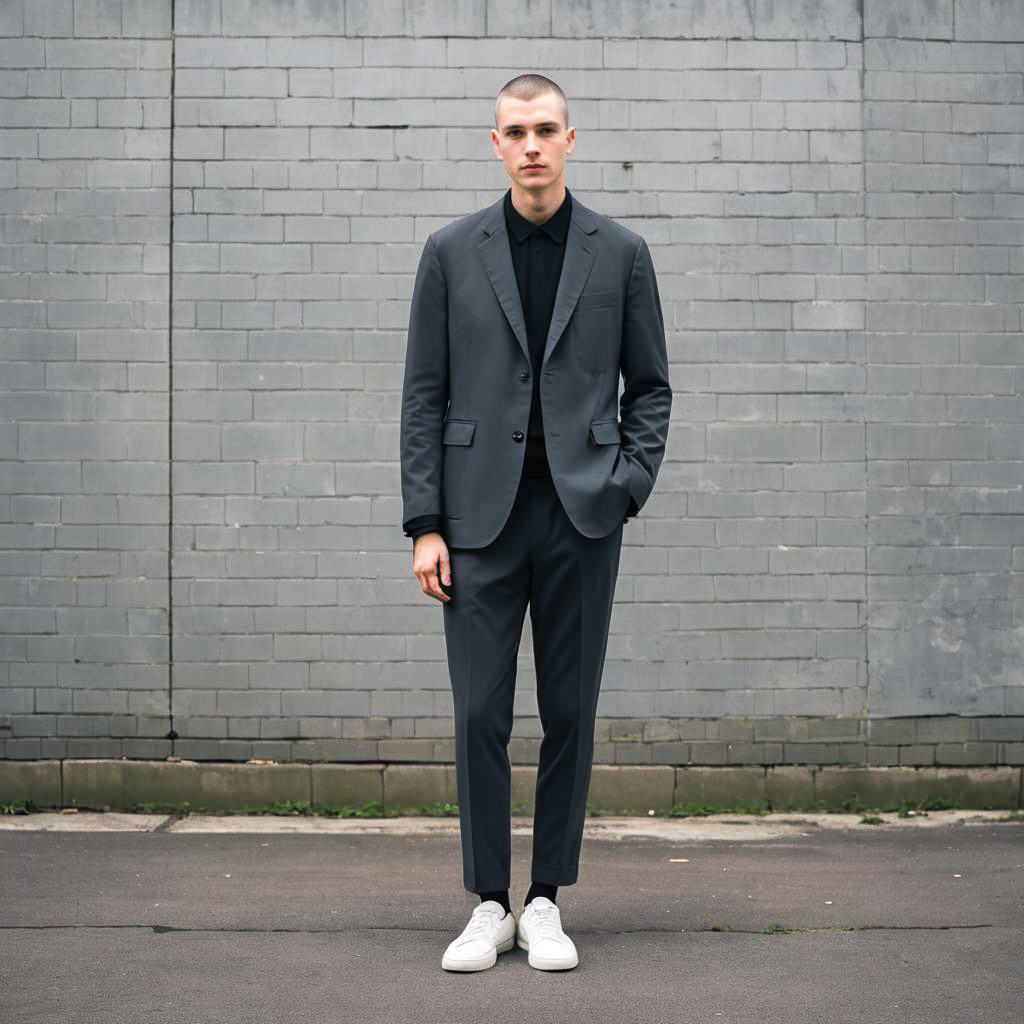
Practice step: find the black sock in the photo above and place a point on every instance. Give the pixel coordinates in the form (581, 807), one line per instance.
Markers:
(541, 889)
(499, 897)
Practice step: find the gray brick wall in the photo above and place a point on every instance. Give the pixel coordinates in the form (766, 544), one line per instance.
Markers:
(84, 401)
(202, 314)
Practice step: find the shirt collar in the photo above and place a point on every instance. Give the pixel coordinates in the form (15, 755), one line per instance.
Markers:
(556, 226)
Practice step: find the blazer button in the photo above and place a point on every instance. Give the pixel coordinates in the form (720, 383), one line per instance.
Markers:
(517, 435)
(524, 376)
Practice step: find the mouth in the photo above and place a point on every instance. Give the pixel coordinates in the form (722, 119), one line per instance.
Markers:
(534, 167)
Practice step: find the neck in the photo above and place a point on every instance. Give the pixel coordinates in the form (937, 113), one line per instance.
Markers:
(537, 205)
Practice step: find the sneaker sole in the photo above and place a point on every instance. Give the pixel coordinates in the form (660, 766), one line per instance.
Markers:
(480, 964)
(544, 964)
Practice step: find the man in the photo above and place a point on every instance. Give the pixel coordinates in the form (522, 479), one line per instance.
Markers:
(517, 478)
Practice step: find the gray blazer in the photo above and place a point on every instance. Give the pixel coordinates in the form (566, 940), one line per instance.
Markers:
(467, 389)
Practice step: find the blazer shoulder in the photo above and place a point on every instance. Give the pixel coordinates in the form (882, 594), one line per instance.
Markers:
(459, 231)
(618, 234)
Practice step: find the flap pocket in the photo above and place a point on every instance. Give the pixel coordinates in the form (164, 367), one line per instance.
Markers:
(459, 431)
(605, 432)
(591, 299)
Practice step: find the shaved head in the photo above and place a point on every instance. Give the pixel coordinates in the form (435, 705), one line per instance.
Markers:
(527, 87)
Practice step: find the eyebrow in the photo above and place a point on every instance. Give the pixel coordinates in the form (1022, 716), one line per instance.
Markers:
(542, 124)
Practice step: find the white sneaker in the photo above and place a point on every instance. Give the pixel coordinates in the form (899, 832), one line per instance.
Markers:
(490, 931)
(539, 931)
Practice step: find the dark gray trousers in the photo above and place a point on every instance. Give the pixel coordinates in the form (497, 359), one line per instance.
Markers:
(568, 580)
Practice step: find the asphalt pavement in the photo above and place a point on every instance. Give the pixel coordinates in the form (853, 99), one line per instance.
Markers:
(811, 919)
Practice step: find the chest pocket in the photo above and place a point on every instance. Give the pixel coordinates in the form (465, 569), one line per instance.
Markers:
(592, 328)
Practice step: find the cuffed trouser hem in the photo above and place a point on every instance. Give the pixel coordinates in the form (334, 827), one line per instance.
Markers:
(494, 882)
(553, 874)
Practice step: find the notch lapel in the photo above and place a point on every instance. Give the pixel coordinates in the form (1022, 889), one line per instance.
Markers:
(497, 259)
(580, 250)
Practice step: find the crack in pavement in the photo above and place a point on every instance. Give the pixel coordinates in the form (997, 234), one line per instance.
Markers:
(161, 929)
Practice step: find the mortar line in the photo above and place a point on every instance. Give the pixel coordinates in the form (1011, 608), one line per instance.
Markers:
(864, 363)
(171, 734)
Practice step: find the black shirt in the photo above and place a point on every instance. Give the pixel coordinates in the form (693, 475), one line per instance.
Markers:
(538, 251)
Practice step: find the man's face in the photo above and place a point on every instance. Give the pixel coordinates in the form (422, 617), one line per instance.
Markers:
(532, 132)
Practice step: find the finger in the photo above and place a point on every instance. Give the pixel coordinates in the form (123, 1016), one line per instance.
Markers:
(446, 570)
(435, 590)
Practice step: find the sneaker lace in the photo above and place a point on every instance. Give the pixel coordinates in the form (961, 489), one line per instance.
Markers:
(483, 920)
(547, 922)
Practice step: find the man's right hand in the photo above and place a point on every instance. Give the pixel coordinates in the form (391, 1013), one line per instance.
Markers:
(430, 552)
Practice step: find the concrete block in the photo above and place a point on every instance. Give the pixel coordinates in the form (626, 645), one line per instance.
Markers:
(633, 789)
(347, 784)
(120, 785)
(888, 787)
(789, 787)
(909, 19)
(408, 788)
(524, 788)
(38, 781)
(719, 787)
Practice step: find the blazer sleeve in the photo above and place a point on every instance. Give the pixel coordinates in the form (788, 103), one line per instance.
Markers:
(425, 388)
(420, 525)
(646, 402)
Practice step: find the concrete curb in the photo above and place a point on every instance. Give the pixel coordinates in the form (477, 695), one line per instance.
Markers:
(100, 784)
(735, 828)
